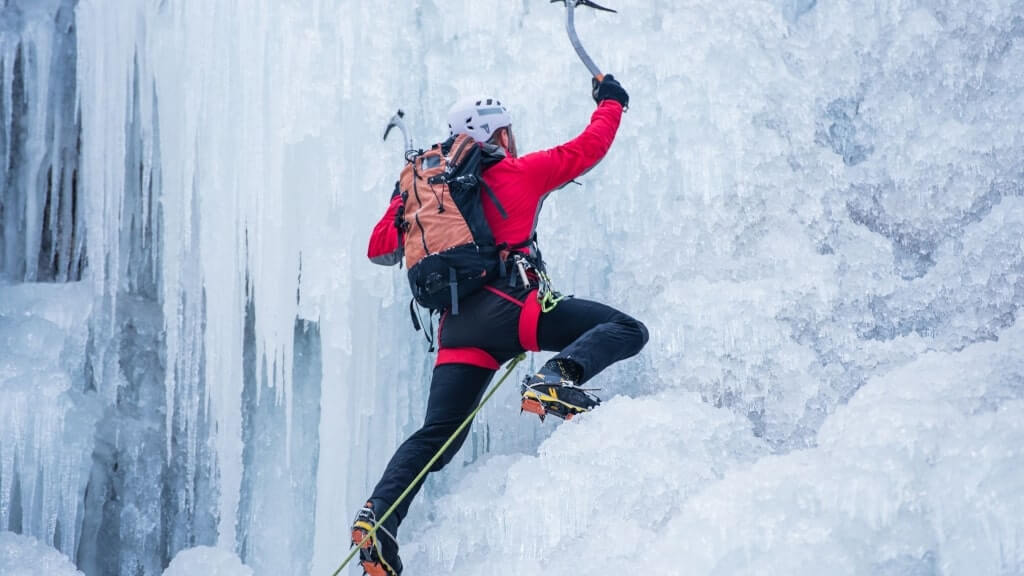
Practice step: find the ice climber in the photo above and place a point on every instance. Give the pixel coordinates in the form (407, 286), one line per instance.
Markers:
(504, 318)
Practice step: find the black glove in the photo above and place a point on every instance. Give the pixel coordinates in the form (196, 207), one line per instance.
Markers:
(609, 89)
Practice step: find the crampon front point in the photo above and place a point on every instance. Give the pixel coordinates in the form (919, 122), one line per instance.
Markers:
(562, 401)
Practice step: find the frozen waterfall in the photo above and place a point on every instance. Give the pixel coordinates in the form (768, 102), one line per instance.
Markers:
(817, 207)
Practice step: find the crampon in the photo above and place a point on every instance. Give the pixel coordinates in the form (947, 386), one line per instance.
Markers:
(372, 555)
(562, 400)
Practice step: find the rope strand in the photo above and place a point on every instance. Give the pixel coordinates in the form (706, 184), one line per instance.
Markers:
(430, 464)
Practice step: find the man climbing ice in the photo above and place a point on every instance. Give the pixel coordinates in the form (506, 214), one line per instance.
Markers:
(513, 312)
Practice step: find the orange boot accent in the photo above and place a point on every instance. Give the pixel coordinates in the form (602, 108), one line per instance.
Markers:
(373, 568)
(359, 536)
(533, 406)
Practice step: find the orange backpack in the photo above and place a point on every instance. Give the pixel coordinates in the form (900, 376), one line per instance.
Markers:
(450, 250)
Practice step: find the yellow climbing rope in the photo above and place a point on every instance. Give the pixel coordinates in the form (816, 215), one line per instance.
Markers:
(546, 295)
(512, 364)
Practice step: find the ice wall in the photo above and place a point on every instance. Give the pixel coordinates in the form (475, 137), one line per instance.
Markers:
(820, 185)
(269, 175)
(808, 202)
(251, 201)
(47, 416)
(809, 187)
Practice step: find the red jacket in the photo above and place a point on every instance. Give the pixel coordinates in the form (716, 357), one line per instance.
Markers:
(521, 184)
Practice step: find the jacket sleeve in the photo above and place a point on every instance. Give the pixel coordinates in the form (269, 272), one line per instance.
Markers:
(386, 245)
(549, 169)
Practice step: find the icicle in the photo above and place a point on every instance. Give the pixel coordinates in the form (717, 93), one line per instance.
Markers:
(65, 216)
(62, 157)
(37, 94)
(14, 184)
(6, 129)
(52, 188)
(79, 208)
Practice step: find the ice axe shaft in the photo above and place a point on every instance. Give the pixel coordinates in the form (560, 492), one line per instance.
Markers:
(570, 27)
(397, 121)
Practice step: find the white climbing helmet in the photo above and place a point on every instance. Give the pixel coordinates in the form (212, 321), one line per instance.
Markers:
(478, 117)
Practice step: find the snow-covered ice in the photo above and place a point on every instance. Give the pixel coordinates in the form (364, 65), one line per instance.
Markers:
(208, 562)
(26, 556)
(920, 473)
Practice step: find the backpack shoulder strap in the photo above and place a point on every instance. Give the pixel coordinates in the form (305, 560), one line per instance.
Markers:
(494, 198)
(475, 158)
(491, 154)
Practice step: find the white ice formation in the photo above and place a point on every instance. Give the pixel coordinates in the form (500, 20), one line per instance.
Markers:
(26, 556)
(47, 422)
(208, 562)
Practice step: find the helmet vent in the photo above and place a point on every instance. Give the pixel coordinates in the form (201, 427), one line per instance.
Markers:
(478, 118)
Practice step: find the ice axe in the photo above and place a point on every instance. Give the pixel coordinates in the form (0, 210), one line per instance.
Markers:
(570, 26)
(397, 121)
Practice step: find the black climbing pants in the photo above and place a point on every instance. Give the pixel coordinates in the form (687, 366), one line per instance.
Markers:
(488, 331)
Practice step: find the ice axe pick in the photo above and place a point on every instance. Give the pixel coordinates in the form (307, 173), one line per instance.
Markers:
(397, 121)
(570, 26)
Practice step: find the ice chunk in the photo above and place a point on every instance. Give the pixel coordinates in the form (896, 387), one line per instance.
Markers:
(47, 421)
(26, 556)
(207, 561)
(921, 461)
(889, 484)
(601, 486)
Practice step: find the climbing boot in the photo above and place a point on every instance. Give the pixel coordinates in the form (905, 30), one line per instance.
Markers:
(553, 390)
(378, 552)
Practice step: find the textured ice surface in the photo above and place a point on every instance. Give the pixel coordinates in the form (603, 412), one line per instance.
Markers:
(921, 473)
(47, 422)
(26, 556)
(599, 486)
(208, 562)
